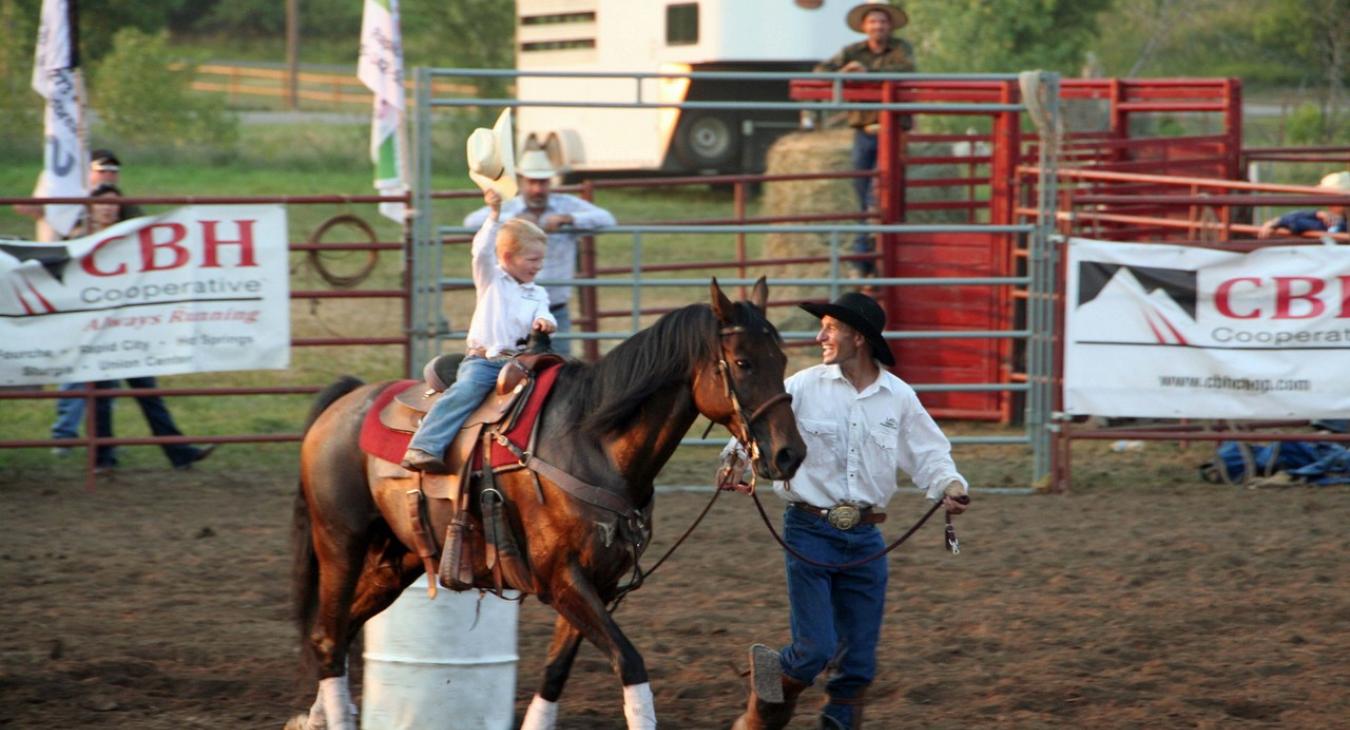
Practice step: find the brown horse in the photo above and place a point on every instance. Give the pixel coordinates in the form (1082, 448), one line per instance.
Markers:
(613, 425)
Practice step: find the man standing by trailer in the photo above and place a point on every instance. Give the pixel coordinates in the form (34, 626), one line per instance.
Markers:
(879, 53)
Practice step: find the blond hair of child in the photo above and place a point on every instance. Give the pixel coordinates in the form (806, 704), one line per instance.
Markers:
(517, 235)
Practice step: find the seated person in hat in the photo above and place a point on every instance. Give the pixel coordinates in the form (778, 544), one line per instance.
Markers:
(879, 53)
(565, 218)
(1331, 220)
(861, 423)
(506, 259)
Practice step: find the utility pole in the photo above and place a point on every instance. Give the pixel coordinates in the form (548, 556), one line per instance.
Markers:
(293, 54)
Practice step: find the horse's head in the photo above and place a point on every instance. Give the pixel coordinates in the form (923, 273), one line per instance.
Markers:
(742, 388)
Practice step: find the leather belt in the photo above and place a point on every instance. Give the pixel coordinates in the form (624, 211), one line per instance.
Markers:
(843, 516)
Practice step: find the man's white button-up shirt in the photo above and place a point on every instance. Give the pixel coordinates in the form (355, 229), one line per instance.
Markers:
(855, 440)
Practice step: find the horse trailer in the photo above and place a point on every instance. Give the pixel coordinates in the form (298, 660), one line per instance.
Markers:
(669, 37)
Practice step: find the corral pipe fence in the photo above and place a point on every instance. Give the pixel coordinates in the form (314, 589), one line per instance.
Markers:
(339, 288)
(429, 327)
(1201, 212)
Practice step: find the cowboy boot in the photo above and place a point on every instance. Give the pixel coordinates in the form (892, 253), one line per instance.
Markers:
(848, 713)
(773, 695)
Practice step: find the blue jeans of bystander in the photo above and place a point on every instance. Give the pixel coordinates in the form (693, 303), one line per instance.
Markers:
(562, 313)
(864, 158)
(69, 413)
(156, 415)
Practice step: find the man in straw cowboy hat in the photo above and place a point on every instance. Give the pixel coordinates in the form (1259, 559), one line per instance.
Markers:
(1331, 220)
(860, 423)
(879, 52)
(565, 218)
(506, 259)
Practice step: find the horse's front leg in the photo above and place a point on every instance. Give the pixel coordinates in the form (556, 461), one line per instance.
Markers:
(577, 600)
(543, 711)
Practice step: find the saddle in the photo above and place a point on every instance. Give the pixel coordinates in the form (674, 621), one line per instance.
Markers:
(501, 408)
(503, 426)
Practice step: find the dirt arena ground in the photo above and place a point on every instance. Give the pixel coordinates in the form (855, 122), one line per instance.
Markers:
(160, 601)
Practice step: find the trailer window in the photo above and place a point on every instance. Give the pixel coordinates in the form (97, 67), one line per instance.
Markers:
(682, 24)
(557, 18)
(558, 45)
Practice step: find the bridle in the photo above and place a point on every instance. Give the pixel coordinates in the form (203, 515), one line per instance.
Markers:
(746, 440)
(729, 387)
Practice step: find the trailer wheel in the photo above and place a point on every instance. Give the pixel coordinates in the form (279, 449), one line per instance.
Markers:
(708, 140)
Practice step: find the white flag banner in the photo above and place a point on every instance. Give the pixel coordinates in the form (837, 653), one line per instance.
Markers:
(1185, 332)
(203, 288)
(56, 79)
(380, 68)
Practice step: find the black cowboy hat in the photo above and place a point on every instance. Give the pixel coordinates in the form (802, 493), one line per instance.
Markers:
(104, 160)
(862, 313)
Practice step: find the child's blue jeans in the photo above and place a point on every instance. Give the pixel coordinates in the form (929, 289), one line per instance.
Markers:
(474, 380)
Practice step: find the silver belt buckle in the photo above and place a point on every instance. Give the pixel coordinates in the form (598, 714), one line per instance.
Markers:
(844, 516)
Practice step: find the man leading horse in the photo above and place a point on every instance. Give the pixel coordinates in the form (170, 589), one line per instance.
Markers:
(860, 423)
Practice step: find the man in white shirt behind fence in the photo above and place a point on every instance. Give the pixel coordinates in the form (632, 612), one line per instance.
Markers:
(860, 423)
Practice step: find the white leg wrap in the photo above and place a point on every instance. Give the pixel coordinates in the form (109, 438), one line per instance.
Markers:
(638, 707)
(338, 710)
(316, 720)
(541, 715)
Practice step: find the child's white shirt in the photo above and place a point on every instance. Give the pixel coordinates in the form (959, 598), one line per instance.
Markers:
(506, 309)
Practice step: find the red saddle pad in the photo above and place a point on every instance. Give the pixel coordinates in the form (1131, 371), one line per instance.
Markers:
(385, 443)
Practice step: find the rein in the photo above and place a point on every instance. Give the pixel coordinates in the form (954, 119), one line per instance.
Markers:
(952, 543)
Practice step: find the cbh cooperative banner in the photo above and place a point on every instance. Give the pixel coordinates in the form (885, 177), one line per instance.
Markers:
(204, 288)
(1177, 331)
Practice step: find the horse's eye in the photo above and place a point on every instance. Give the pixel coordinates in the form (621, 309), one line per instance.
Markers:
(743, 364)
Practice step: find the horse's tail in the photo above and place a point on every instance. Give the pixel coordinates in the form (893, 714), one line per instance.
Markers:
(305, 569)
(329, 395)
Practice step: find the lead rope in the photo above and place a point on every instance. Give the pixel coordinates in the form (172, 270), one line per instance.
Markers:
(643, 575)
(951, 532)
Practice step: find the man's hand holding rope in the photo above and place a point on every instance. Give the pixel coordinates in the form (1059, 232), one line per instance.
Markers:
(731, 473)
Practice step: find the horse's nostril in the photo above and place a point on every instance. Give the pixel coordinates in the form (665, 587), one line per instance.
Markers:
(785, 459)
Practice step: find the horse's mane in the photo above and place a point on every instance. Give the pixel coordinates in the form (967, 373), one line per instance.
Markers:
(615, 388)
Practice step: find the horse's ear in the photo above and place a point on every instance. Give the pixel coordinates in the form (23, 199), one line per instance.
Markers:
(759, 296)
(721, 306)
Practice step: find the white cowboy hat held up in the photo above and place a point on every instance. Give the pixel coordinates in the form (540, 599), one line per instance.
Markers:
(491, 155)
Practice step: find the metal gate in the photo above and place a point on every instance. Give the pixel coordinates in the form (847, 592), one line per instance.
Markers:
(985, 277)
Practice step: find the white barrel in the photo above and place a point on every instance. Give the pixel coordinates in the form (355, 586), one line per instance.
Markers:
(429, 666)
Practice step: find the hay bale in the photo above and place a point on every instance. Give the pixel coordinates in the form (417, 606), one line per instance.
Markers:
(799, 152)
(827, 151)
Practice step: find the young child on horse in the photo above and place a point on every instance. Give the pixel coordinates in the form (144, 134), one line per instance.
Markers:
(509, 305)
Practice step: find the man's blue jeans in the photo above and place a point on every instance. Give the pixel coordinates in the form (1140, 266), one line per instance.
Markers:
(563, 314)
(69, 413)
(474, 380)
(864, 158)
(834, 612)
